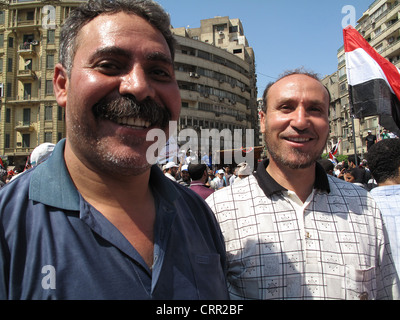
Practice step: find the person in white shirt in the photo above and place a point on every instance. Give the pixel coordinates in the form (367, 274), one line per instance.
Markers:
(384, 163)
(292, 231)
(171, 170)
(218, 181)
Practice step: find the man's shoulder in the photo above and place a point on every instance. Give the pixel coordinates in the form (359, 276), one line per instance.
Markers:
(240, 188)
(17, 186)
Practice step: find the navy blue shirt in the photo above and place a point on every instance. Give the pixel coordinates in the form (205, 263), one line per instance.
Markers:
(55, 245)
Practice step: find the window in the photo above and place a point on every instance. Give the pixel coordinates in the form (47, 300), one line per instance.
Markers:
(28, 64)
(48, 112)
(221, 27)
(59, 113)
(26, 140)
(8, 115)
(49, 87)
(233, 29)
(10, 42)
(10, 65)
(50, 61)
(7, 140)
(50, 36)
(27, 117)
(9, 89)
(48, 137)
(2, 14)
(28, 38)
(1, 40)
(30, 15)
(27, 91)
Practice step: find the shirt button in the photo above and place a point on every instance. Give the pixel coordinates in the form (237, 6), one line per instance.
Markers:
(364, 296)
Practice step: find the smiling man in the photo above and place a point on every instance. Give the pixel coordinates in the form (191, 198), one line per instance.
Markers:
(291, 231)
(96, 220)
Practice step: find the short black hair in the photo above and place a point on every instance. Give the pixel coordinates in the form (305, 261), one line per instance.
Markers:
(384, 159)
(326, 164)
(196, 170)
(352, 158)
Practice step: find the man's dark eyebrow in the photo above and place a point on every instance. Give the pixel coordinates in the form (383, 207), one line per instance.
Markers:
(119, 52)
(110, 51)
(159, 56)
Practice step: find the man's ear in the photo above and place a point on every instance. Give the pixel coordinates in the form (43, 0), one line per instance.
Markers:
(262, 121)
(60, 84)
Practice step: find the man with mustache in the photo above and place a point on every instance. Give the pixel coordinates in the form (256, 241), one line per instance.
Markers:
(96, 220)
(292, 231)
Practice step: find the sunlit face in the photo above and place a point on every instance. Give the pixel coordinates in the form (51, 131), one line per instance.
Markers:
(295, 124)
(118, 55)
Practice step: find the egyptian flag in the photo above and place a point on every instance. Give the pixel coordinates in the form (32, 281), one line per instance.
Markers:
(334, 151)
(374, 82)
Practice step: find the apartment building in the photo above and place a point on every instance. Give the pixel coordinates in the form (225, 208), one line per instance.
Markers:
(380, 26)
(29, 41)
(215, 69)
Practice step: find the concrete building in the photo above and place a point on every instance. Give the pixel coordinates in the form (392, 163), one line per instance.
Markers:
(380, 26)
(215, 69)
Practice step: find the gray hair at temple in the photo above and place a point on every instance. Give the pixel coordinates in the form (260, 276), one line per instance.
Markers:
(80, 16)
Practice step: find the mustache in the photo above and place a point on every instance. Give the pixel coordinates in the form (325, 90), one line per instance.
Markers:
(127, 106)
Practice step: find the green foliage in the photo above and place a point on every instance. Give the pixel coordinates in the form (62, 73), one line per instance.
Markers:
(339, 157)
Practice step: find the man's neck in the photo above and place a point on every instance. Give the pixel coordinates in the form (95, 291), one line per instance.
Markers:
(300, 181)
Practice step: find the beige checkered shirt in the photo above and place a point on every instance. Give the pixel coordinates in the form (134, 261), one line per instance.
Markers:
(338, 249)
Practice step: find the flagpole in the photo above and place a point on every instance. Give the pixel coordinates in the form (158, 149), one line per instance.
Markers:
(351, 110)
(354, 140)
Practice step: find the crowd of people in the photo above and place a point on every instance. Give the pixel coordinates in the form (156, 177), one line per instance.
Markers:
(187, 174)
(95, 220)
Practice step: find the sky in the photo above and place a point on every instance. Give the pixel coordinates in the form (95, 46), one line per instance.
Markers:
(284, 34)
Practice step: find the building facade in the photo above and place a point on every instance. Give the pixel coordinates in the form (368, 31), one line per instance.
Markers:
(215, 69)
(29, 41)
(380, 26)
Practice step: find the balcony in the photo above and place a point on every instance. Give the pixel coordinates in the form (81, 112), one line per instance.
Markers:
(24, 126)
(27, 49)
(26, 75)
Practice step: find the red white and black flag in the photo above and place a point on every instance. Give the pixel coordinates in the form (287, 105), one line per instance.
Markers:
(334, 151)
(374, 82)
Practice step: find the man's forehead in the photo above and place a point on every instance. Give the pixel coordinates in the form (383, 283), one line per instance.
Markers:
(108, 28)
(295, 83)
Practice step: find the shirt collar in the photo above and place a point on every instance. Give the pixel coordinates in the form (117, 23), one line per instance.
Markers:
(52, 185)
(270, 186)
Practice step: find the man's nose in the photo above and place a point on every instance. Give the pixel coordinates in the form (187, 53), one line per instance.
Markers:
(138, 84)
(300, 118)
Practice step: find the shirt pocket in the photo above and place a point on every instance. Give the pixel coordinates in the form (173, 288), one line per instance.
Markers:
(360, 283)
